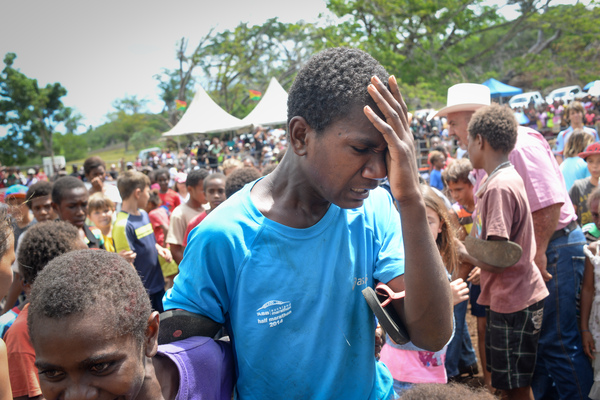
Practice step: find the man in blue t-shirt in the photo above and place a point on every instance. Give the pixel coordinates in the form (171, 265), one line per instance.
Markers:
(282, 263)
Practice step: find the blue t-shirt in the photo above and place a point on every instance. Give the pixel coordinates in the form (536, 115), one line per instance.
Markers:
(291, 298)
(435, 179)
(134, 232)
(572, 169)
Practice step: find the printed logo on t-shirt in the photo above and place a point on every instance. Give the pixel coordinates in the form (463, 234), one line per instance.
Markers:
(359, 282)
(144, 231)
(273, 312)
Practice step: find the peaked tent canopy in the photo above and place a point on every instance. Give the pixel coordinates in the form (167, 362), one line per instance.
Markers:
(272, 108)
(205, 116)
(499, 89)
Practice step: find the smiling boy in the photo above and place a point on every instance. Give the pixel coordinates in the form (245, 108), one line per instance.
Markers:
(69, 201)
(278, 261)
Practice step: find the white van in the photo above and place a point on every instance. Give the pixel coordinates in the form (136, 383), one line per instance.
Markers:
(522, 100)
(565, 94)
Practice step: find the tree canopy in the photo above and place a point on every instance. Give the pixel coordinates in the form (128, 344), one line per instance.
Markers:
(30, 112)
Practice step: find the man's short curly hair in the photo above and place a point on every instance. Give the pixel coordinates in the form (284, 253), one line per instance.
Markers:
(64, 184)
(497, 125)
(91, 281)
(331, 85)
(239, 178)
(38, 189)
(458, 171)
(42, 243)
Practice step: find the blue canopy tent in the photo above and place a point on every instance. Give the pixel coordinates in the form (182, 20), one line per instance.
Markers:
(499, 89)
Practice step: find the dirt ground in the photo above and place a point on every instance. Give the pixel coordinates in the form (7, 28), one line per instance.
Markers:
(477, 381)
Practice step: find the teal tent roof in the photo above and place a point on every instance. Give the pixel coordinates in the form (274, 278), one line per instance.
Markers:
(499, 89)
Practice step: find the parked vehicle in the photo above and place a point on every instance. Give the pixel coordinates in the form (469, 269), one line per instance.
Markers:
(565, 94)
(522, 100)
(146, 152)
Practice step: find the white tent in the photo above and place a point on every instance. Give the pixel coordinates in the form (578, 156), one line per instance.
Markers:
(271, 109)
(205, 116)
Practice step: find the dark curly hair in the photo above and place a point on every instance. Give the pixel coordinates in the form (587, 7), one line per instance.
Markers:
(91, 281)
(42, 243)
(38, 189)
(238, 178)
(64, 184)
(497, 125)
(331, 85)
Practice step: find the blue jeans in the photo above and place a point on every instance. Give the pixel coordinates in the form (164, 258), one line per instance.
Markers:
(562, 369)
(460, 353)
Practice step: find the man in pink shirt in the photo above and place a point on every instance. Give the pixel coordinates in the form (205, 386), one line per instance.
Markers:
(562, 369)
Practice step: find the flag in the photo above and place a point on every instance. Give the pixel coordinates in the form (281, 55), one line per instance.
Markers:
(180, 105)
(255, 94)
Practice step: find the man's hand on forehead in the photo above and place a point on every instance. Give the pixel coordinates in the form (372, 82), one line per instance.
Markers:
(400, 160)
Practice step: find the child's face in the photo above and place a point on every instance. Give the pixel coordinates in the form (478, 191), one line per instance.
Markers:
(6, 274)
(215, 192)
(163, 182)
(42, 210)
(143, 198)
(473, 148)
(461, 192)
(197, 192)
(77, 357)
(593, 164)
(439, 163)
(73, 207)
(435, 224)
(102, 218)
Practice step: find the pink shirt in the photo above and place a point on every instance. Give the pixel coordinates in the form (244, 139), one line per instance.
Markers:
(415, 366)
(534, 161)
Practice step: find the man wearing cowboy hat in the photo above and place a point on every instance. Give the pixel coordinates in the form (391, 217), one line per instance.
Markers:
(559, 251)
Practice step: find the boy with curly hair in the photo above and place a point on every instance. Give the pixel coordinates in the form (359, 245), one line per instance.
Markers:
(513, 296)
(95, 334)
(292, 253)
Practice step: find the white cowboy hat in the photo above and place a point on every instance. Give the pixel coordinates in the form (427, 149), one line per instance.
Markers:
(464, 97)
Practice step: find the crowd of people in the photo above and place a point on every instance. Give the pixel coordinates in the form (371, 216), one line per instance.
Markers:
(317, 262)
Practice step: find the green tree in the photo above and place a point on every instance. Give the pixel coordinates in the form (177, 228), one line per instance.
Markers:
(30, 112)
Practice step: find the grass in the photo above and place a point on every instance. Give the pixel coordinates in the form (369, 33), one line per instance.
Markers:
(110, 156)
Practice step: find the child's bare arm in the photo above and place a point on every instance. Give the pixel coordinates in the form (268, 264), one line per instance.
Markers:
(427, 308)
(465, 257)
(587, 297)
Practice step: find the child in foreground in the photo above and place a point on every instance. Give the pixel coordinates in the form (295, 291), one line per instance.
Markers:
(513, 296)
(86, 345)
(408, 364)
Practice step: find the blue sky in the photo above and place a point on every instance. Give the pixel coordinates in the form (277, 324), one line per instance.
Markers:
(105, 50)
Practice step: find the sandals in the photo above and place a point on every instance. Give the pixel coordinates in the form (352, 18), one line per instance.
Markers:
(377, 300)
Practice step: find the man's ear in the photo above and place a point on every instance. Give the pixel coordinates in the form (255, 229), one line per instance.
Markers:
(136, 193)
(299, 130)
(151, 340)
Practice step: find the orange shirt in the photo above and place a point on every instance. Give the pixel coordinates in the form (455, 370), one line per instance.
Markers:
(23, 373)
